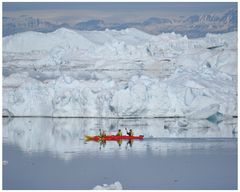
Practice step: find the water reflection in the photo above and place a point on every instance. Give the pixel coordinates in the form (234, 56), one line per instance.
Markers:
(102, 143)
(64, 137)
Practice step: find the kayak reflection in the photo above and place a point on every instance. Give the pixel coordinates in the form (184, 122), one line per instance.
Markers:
(103, 143)
(119, 143)
(130, 143)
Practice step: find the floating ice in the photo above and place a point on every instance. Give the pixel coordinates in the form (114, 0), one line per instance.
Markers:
(5, 162)
(115, 186)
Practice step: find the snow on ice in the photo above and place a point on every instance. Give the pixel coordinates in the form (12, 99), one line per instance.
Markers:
(125, 73)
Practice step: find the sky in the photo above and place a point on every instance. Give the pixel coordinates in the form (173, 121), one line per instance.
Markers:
(114, 12)
(161, 6)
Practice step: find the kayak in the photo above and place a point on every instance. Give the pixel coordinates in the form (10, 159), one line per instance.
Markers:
(112, 138)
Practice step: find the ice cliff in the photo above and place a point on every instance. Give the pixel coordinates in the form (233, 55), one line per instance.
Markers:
(124, 73)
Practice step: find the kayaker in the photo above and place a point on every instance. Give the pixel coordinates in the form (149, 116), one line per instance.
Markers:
(119, 133)
(102, 133)
(130, 133)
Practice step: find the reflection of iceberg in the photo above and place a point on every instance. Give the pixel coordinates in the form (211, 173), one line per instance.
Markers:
(64, 137)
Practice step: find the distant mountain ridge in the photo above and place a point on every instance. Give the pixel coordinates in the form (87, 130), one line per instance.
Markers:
(193, 26)
(27, 23)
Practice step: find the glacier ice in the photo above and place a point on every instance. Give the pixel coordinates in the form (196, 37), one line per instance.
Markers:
(125, 73)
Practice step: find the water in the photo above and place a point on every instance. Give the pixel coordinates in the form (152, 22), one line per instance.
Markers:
(40, 153)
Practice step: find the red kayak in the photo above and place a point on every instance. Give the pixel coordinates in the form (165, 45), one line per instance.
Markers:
(112, 138)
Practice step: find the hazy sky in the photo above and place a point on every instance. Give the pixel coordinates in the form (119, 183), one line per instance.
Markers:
(161, 6)
(117, 12)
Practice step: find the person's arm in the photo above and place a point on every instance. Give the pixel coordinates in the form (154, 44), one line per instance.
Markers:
(127, 131)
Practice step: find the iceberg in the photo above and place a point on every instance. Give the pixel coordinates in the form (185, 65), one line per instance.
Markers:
(119, 74)
(5, 162)
(115, 186)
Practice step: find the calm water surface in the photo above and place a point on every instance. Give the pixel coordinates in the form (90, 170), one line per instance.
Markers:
(51, 154)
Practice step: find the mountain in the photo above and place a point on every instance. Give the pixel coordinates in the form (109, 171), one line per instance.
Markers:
(198, 25)
(193, 26)
(230, 17)
(154, 20)
(26, 23)
(90, 25)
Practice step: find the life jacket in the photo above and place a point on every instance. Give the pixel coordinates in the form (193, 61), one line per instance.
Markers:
(103, 134)
(131, 133)
(119, 133)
